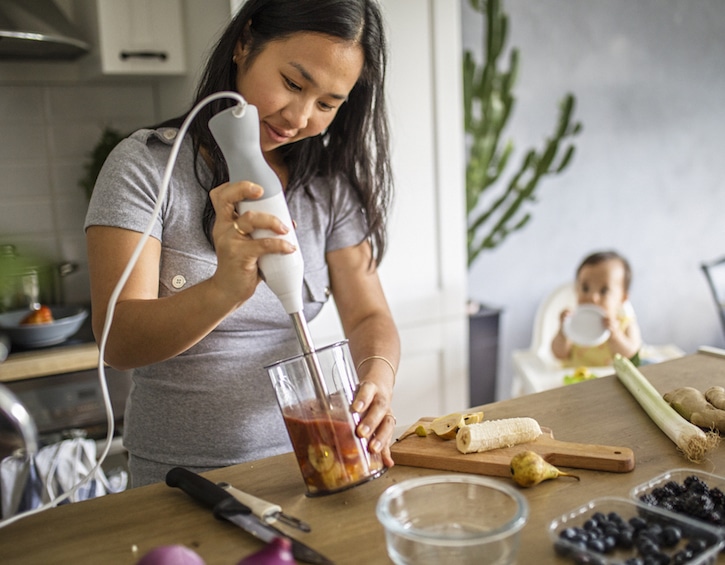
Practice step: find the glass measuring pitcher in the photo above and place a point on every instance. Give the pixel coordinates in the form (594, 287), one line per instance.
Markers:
(330, 455)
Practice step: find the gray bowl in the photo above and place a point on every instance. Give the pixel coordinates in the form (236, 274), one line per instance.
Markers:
(68, 320)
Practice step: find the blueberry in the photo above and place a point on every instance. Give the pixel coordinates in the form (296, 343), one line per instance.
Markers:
(614, 517)
(597, 545)
(590, 524)
(682, 557)
(696, 545)
(562, 549)
(647, 547)
(671, 536)
(625, 539)
(587, 559)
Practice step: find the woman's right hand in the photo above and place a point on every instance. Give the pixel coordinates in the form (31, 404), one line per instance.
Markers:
(147, 329)
(237, 274)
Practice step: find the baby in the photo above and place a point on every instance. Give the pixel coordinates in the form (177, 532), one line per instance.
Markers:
(602, 279)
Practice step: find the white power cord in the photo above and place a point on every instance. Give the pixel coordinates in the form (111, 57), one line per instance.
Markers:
(114, 299)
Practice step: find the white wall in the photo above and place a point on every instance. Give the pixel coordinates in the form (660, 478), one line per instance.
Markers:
(648, 178)
(47, 130)
(51, 117)
(424, 270)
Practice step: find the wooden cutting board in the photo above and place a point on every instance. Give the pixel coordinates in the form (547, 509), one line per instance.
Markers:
(433, 452)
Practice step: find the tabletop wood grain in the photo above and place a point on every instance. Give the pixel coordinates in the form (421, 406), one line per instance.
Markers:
(120, 528)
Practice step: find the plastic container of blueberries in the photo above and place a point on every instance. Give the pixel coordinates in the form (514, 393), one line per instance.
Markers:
(628, 508)
(679, 476)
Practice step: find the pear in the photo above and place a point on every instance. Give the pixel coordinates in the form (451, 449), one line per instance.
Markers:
(529, 469)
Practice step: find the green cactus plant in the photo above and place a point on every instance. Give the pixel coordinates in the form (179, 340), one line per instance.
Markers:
(495, 205)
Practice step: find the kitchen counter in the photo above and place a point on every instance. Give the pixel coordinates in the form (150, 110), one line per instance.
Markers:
(53, 361)
(120, 528)
(78, 353)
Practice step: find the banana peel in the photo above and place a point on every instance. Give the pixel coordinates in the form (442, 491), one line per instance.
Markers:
(445, 427)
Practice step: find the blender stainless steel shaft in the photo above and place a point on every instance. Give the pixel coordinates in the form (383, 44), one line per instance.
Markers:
(236, 130)
(313, 363)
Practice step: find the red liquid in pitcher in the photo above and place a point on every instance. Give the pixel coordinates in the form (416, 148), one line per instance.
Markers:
(330, 456)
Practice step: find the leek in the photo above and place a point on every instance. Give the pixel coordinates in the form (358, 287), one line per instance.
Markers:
(690, 439)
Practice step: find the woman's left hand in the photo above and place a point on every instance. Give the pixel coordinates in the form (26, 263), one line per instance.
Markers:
(377, 425)
(374, 343)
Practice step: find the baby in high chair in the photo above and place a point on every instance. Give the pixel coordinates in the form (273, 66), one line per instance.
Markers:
(602, 279)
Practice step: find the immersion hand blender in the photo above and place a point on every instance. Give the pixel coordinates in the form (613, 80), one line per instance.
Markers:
(236, 130)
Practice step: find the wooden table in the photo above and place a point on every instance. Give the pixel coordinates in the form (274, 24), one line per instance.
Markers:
(120, 528)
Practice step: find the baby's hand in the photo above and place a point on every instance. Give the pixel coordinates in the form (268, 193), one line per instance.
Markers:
(565, 313)
(610, 322)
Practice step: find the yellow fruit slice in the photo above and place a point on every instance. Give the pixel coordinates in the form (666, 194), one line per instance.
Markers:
(321, 457)
(472, 418)
(447, 426)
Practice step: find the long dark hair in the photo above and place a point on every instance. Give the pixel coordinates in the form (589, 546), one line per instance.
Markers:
(355, 146)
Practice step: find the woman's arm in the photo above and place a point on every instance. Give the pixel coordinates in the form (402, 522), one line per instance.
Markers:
(148, 329)
(368, 324)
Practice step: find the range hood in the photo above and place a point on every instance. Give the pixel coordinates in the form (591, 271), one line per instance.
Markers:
(37, 30)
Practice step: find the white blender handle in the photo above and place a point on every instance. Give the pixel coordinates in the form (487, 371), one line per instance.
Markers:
(236, 130)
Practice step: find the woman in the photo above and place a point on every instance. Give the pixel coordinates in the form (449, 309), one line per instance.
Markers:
(193, 321)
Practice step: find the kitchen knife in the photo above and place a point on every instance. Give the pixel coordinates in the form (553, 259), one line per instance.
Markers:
(265, 511)
(229, 508)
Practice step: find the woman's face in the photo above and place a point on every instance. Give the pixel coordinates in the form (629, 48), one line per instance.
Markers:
(298, 84)
(602, 284)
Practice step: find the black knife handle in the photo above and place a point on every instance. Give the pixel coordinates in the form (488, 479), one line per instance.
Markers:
(203, 490)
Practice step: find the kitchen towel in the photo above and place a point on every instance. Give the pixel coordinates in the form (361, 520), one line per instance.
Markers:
(27, 482)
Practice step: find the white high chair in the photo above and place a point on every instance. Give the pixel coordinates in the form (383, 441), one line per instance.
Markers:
(537, 369)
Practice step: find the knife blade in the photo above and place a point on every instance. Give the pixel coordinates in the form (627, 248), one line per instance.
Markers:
(225, 506)
(265, 511)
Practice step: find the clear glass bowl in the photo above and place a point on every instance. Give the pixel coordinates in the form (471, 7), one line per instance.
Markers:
(585, 515)
(457, 518)
(679, 476)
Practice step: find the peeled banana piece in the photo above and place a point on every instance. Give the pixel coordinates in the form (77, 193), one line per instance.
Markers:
(494, 434)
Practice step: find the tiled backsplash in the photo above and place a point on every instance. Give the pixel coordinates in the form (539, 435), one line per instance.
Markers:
(46, 135)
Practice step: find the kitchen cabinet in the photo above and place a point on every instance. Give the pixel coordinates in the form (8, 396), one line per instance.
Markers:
(133, 37)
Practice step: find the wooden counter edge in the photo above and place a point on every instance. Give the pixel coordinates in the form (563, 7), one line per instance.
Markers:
(32, 364)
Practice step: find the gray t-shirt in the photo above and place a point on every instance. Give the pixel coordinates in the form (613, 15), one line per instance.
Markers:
(214, 404)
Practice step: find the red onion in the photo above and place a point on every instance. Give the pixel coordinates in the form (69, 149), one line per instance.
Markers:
(276, 552)
(171, 555)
